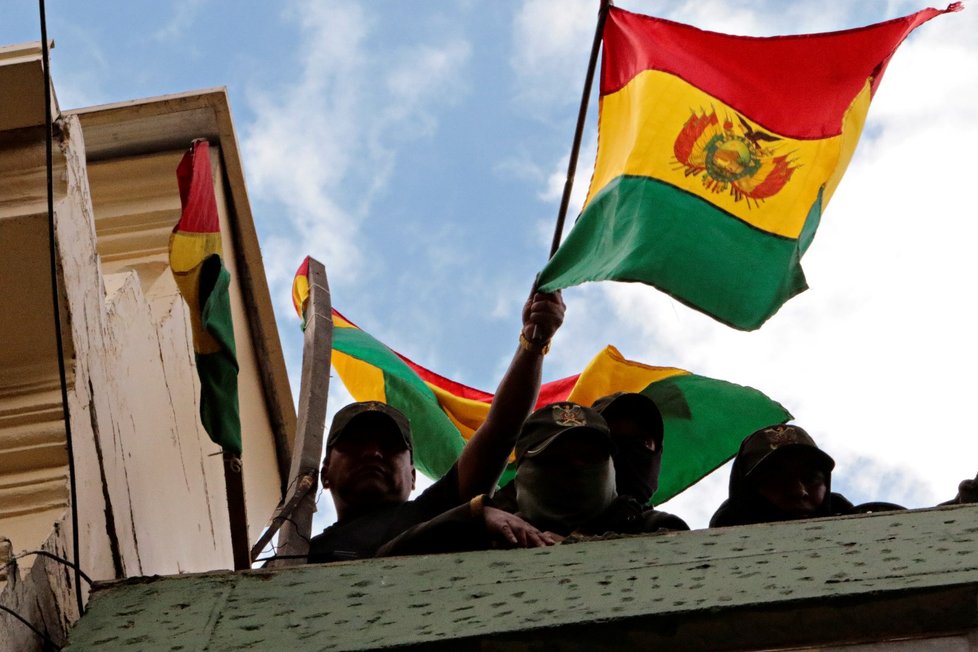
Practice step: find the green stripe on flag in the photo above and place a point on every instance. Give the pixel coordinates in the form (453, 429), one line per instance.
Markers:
(362, 346)
(218, 371)
(705, 420)
(437, 442)
(641, 229)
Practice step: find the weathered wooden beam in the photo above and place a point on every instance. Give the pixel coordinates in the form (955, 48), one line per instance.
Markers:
(293, 518)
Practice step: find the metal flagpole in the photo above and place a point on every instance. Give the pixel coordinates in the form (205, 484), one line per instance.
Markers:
(579, 131)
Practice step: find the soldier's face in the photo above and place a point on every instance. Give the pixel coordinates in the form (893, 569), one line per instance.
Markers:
(370, 465)
(793, 485)
(628, 432)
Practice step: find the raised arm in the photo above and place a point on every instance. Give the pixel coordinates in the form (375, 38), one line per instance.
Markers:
(484, 457)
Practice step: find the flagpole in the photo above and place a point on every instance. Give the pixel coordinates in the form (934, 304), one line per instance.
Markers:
(292, 518)
(237, 514)
(579, 131)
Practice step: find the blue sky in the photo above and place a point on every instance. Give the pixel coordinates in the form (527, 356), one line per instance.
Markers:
(418, 149)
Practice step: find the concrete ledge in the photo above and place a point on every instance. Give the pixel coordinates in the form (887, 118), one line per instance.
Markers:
(865, 578)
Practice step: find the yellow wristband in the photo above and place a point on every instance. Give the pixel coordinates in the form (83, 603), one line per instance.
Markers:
(543, 348)
(477, 506)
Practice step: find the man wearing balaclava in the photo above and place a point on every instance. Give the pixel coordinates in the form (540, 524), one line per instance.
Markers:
(565, 477)
(565, 484)
(637, 433)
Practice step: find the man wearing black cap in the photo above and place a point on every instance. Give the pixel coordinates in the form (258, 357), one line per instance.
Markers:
(565, 478)
(780, 474)
(369, 465)
(636, 429)
(565, 484)
(637, 432)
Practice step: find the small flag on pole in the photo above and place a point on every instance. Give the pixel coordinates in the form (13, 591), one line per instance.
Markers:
(195, 259)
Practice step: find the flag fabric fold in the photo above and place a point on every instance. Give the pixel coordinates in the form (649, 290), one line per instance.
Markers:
(705, 419)
(717, 155)
(204, 283)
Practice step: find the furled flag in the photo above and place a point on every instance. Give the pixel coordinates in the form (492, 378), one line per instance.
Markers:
(195, 259)
(717, 155)
(704, 419)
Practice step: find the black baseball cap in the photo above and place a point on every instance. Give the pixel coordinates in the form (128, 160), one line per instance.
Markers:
(767, 444)
(551, 421)
(349, 413)
(639, 405)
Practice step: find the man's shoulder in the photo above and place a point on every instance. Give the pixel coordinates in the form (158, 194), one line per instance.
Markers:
(360, 537)
(354, 538)
(443, 492)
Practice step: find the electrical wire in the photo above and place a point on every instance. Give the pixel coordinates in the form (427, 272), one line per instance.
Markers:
(52, 250)
(296, 526)
(50, 555)
(44, 637)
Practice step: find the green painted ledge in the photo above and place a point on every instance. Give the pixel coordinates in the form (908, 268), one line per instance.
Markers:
(901, 574)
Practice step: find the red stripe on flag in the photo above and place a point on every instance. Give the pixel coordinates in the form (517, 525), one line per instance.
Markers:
(304, 269)
(450, 386)
(556, 390)
(797, 86)
(199, 214)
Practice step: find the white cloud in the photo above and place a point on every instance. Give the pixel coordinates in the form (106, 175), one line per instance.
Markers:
(184, 14)
(78, 85)
(551, 43)
(324, 141)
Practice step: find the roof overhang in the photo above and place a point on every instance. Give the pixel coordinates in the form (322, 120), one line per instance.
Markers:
(22, 81)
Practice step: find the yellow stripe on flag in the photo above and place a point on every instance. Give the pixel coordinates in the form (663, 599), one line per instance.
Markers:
(641, 124)
(365, 381)
(610, 372)
(300, 293)
(188, 249)
(852, 128)
(467, 414)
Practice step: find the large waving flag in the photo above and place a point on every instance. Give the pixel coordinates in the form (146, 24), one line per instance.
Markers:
(717, 155)
(195, 260)
(704, 419)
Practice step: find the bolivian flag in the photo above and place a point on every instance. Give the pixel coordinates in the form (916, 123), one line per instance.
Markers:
(717, 155)
(195, 260)
(704, 419)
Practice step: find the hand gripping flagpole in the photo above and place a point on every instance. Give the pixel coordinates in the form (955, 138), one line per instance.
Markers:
(579, 131)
